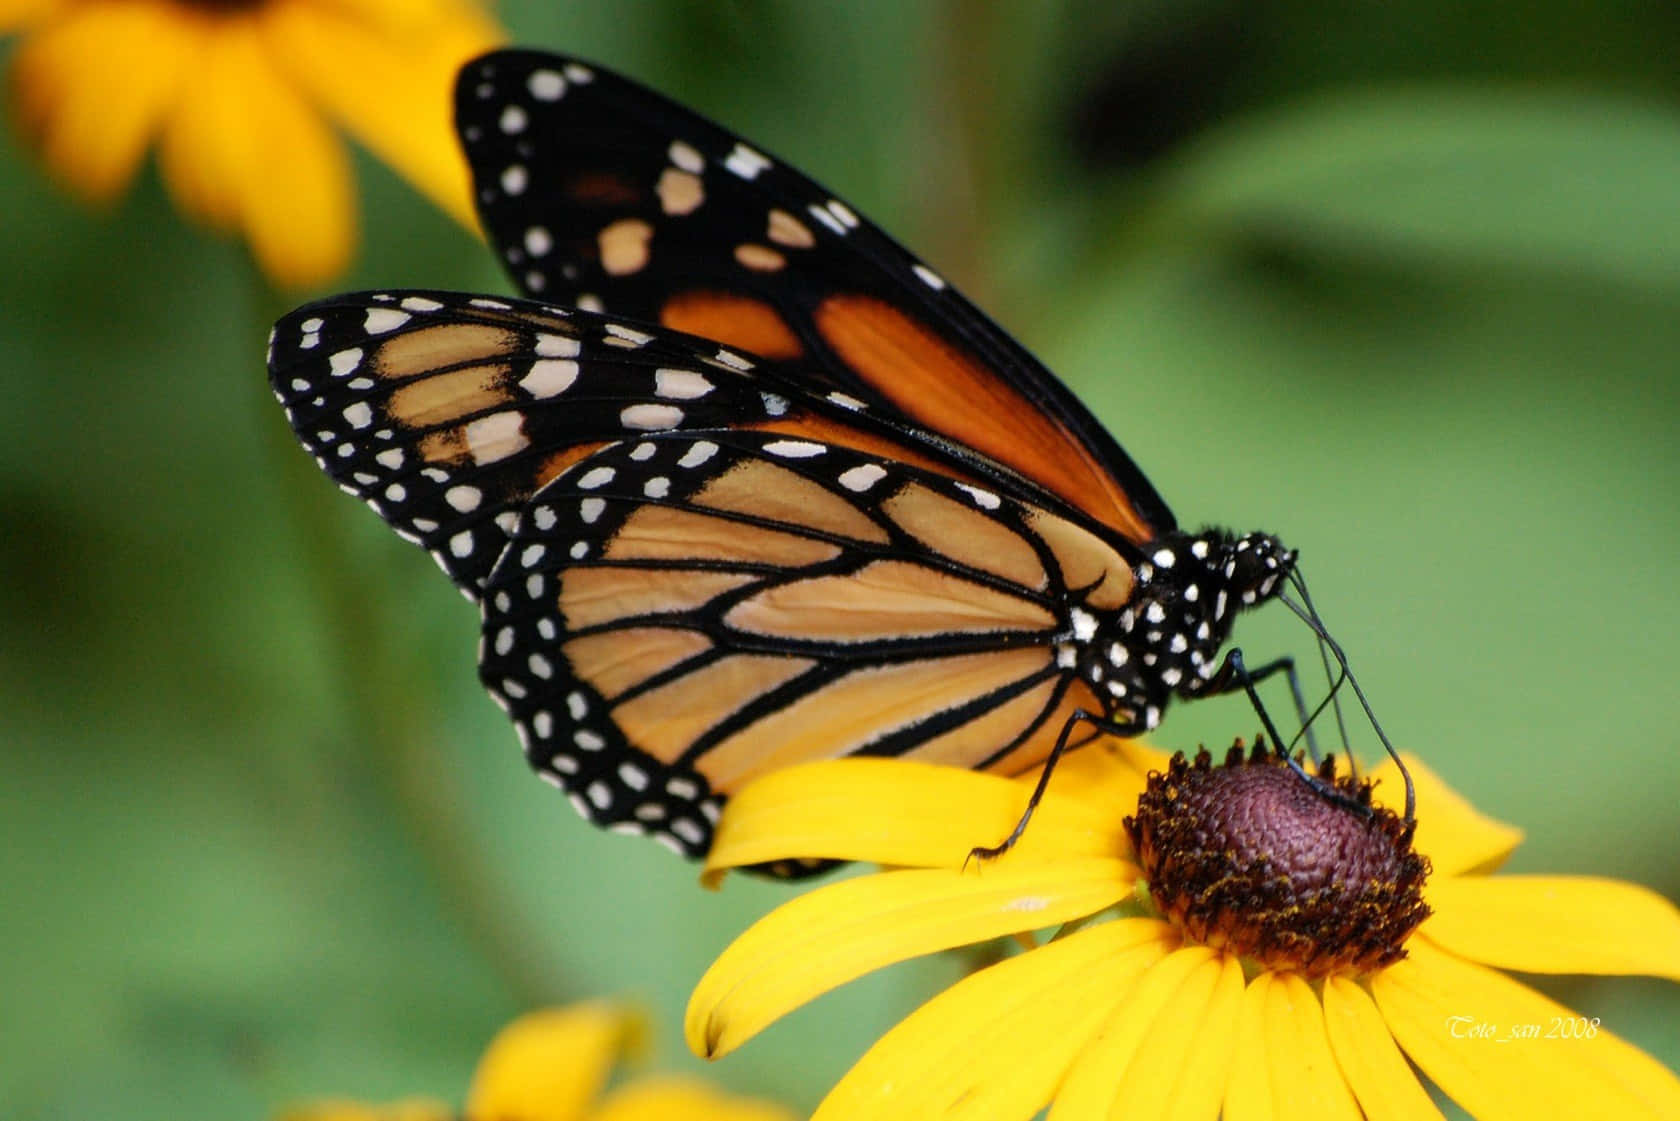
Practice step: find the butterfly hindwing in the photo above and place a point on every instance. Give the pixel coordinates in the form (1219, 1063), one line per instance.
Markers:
(683, 611)
(598, 191)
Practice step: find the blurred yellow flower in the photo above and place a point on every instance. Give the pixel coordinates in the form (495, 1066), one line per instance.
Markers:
(1229, 981)
(552, 1065)
(237, 95)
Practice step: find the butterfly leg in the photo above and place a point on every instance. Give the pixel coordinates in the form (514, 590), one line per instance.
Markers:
(1079, 716)
(1234, 675)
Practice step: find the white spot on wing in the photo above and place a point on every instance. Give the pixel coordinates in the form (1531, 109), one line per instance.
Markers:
(1084, 624)
(794, 449)
(546, 85)
(382, 319)
(821, 214)
(344, 363)
(549, 377)
(680, 385)
(635, 338)
(685, 157)
(557, 346)
(862, 477)
(495, 437)
(648, 418)
(745, 162)
(698, 454)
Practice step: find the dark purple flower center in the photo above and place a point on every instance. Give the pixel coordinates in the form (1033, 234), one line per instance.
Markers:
(1291, 874)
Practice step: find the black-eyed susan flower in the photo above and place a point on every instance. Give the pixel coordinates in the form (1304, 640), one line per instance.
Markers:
(553, 1065)
(1229, 942)
(237, 96)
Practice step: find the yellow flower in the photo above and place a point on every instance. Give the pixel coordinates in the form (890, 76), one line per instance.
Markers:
(552, 1065)
(1137, 1016)
(236, 94)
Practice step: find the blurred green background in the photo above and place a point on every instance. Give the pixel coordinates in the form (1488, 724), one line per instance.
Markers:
(1400, 283)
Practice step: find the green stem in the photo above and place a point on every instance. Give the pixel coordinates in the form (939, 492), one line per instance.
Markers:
(394, 720)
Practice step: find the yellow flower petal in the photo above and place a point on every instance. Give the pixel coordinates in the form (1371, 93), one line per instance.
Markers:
(90, 101)
(1164, 1052)
(1375, 1069)
(244, 152)
(390, 85)
(413, 1109)
(1502, 1050)
(687, 1099)
(994, 1046)
(300, 211)
(1556, 924)
(15, 15)
(1450, 832)
(1109, 772)
(1306, 1080)
(836, 933)
(208, 147)
(1248, 1088)
(549, 1065)
(889, 811)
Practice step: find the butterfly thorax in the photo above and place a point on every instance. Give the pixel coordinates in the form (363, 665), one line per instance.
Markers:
(1167, 638)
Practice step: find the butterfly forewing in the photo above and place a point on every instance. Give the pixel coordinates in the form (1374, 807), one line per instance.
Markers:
(446, 412)
(679, 613)
(600, 192)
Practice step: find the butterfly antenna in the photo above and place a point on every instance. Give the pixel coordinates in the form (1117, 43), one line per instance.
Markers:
(1309, 615)
(1335, 680)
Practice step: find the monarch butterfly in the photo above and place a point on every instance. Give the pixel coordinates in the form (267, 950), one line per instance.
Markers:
(756, 486)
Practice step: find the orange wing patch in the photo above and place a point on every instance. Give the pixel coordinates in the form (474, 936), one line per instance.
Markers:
(949, 392)
(1037, 746)
(615, 661)
(664, 533)
(965, 535)
(594, 595)
(665, 721)
(858, 708)
(429, 349)
(764, 490)
(985, 735)
(886, 599)
(443, 398)
(1086, 561)
(737, 321)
